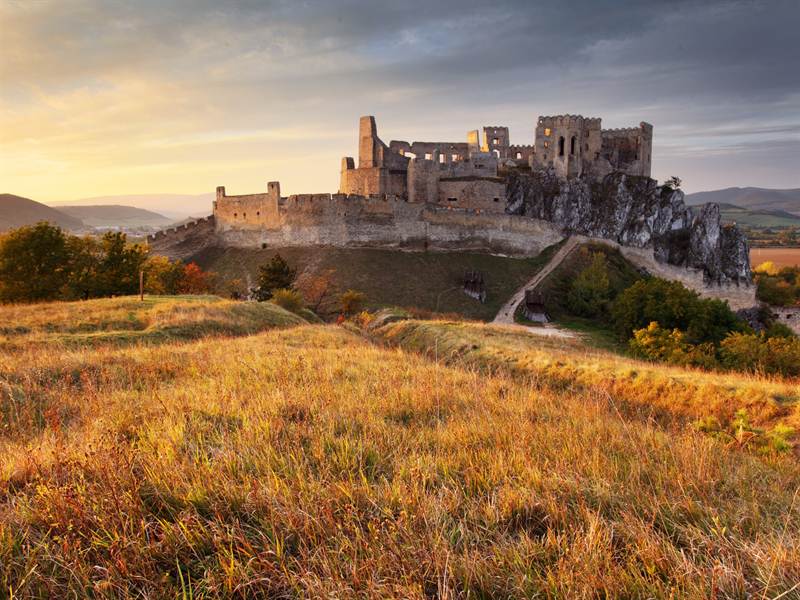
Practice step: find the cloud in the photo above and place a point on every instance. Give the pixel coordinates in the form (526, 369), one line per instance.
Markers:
(200, 92)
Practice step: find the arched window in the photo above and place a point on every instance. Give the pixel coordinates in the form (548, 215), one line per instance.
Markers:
(572, 146)
(561, 146)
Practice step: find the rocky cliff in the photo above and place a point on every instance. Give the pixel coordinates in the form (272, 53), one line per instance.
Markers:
(635, 211)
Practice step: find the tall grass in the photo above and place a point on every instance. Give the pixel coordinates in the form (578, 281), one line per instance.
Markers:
(308, 462)
(642, 390)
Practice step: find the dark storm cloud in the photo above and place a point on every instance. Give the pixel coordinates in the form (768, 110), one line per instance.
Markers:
(713, 77)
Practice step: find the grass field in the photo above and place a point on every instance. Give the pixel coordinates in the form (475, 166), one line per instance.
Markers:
(783, 257)
(424, 280)
(309, 461)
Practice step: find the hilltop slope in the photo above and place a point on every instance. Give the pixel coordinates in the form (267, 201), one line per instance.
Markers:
(16, 211)
(308, 462)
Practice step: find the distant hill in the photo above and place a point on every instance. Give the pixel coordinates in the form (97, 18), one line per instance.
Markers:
(16, 211)
(757, 199)
(172, 206)
(758, 219)
(115, 215)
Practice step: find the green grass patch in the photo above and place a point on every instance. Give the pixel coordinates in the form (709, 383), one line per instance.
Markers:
(429, 281)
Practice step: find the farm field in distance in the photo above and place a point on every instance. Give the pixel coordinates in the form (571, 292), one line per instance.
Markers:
(782, 257)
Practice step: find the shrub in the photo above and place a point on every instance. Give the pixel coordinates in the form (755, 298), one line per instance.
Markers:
(656, 343)
(352, 302)
(673, 306)
(291, 300)
(758, 352)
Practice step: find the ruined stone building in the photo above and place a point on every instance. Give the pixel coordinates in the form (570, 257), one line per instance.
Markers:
(488, 194)
(466, 174)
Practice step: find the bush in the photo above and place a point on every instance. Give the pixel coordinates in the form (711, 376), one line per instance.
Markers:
(779, 287)
(673, 306)
(352, 302)
(291, 300)
(758, 352)
(656, 343)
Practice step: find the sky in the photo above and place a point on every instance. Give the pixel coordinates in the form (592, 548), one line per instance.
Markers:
(105, 97)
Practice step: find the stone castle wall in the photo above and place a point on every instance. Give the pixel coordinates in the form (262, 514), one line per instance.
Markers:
(341, 220)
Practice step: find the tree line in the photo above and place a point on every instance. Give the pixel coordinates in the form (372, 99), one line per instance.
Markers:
(41, 262)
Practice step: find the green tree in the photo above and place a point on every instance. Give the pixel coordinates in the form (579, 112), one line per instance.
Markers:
(118, 271)
(84, 257)
(275, 275)
(34, 264)
(590, 292)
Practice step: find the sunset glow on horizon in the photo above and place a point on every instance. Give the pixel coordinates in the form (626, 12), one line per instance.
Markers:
(104, 98)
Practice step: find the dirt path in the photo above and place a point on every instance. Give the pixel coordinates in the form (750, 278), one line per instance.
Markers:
(506, 314)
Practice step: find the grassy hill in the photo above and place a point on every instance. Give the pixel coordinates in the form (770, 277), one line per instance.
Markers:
(754, 199)
(16, 211)
(444, 461)
(390, 277)
(123, 321)
(116, 216)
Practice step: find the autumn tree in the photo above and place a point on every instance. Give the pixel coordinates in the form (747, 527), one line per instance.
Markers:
(319, 290)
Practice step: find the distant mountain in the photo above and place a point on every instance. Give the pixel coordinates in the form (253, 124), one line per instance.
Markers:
(758, 199)
(16, 211)
(114, 215)
(172, 206)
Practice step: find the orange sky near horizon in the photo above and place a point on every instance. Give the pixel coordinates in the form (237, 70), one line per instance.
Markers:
(103, 98)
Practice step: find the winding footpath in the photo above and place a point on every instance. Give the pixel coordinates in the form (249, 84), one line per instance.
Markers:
(506, 314)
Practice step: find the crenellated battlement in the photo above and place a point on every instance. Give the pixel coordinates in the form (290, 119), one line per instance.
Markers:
(180, 228)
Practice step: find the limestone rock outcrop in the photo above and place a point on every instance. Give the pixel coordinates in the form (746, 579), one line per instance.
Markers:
(635, 211)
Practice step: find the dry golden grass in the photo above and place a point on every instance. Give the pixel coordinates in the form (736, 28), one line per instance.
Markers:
(308, 462)
(129, 321)
(644, 390)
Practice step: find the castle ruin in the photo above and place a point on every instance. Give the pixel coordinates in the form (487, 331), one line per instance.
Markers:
(488, 194)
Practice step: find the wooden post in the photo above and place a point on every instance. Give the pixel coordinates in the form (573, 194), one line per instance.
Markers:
(141, 285)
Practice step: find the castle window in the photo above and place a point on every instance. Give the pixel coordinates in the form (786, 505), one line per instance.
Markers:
(547, 144)
(572, 146)
(235, 215)
(428, 156)
(452, 199)
(495, 141)
(258, 213)
(496, 199)
(587, 147)
(454, 157)
(547, 132)
(441, 158)
(561, 146)
(244, 215)
(519, 154)
(597, 156)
